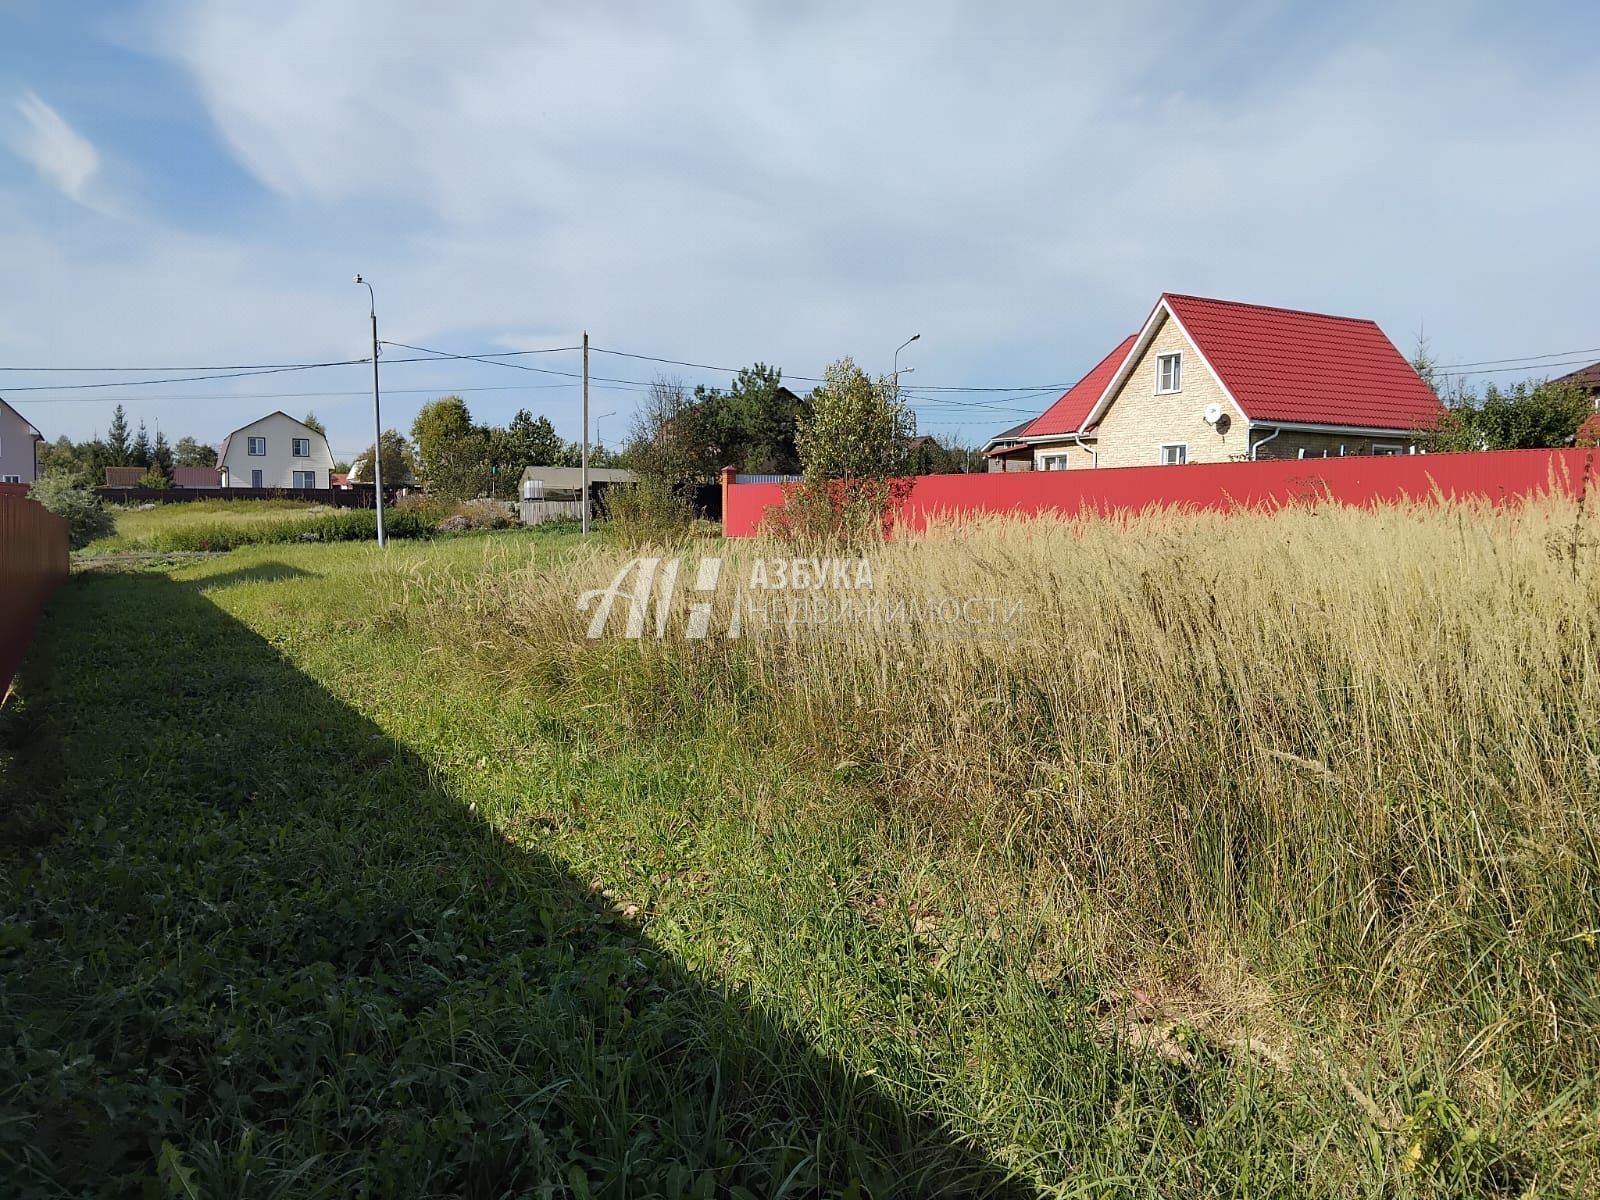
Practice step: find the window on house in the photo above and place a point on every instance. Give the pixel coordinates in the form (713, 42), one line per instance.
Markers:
(13, 479)
(1169, 373)
(301, 448)
(255, 479)
(1385, 448)
(1175, 454)
(1053, 462)
(257, 446)
(305, 479)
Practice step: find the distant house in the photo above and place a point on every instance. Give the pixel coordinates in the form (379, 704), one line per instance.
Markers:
(275, 451)
(548, 493)
(19, 447)
(340, 480)
(1217, 381)
(1586, 380)
(196, 477)
(124, 477)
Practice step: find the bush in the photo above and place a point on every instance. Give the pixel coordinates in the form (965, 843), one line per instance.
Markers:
(86, 516)
(1589, 432)
(647, 511)
(837, 512)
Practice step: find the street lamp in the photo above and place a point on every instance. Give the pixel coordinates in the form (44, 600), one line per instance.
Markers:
(598, 439)
(897, 350)
(377, 418)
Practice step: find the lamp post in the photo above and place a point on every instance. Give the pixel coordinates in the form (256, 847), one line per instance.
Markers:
(377, 418)
(598, 439)
(897, 349)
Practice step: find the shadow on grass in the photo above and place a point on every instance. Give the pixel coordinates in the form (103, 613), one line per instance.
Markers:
(254, 947)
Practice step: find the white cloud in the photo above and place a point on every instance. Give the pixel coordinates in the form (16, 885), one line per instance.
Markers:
(722, 182)
(58, 151)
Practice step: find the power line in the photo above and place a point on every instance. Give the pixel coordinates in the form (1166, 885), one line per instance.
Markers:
(493, 361)
(262, 366)
(1570, 362)
(69, 387)
(1490, 362)
(434, 391)
(927, 387)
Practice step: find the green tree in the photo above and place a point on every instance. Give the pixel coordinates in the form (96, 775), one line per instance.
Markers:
(855, 427)
(398, 463)
(118, 446)
(161, 455)
(190, 453)
(139, 454)
(66, 496)
(310, 422)
(452, 453)
(1525, 416)
(534, 441)
(66, 458)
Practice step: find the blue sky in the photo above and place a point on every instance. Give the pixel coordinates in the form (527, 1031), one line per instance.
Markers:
(187, 183)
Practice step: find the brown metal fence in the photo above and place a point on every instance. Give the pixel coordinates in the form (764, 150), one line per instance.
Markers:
(33, 561)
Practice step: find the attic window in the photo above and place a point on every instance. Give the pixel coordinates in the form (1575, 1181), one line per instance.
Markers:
(1169, 373)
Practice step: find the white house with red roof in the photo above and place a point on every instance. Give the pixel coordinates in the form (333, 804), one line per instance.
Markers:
(1219, 381)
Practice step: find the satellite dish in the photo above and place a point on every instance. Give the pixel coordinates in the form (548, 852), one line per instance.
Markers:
(1213, 413)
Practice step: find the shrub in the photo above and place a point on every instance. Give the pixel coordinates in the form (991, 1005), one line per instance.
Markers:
(837, 512)
(648, 511)
(86, 516)
(1589, 432)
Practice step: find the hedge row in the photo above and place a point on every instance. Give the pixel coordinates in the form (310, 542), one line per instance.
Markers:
(347, 525)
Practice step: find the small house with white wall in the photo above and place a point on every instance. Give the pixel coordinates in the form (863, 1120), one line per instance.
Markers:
(275, 451)
(19, 447)
(1211, 381)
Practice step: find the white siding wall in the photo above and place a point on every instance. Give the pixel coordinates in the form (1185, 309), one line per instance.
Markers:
(16, 446)
(278, 465)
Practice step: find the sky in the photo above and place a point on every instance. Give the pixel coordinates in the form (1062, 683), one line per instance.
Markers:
(194, 184)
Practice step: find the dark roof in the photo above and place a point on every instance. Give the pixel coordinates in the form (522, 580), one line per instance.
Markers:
(1587, 378)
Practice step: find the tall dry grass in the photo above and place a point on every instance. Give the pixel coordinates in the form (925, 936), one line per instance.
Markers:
(1328, 776)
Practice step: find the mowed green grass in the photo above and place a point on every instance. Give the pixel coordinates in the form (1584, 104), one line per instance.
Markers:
(317, 887)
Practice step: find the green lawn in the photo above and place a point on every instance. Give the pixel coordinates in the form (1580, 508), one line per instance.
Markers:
(136, 527)
(314, 888)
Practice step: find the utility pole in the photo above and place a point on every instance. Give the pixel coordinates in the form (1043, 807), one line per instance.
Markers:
(896, 376)
(377, 416)
(585, 433)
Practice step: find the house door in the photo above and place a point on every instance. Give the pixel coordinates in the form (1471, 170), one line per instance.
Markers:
(255, 479)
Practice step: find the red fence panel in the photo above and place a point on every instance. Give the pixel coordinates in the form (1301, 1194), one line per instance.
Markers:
(1494, 475)
(34, 549)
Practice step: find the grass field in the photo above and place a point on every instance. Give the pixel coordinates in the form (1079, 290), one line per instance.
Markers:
(137, 528)
(214, 526)
(1259, 860)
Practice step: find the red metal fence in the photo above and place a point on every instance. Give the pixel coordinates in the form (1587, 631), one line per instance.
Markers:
(33, 561)
(1496, 475)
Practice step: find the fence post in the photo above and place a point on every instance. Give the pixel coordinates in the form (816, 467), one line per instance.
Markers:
(728, 476)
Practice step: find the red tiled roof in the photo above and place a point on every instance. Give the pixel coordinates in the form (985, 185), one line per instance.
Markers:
(1067, 414)
(1307, 368)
